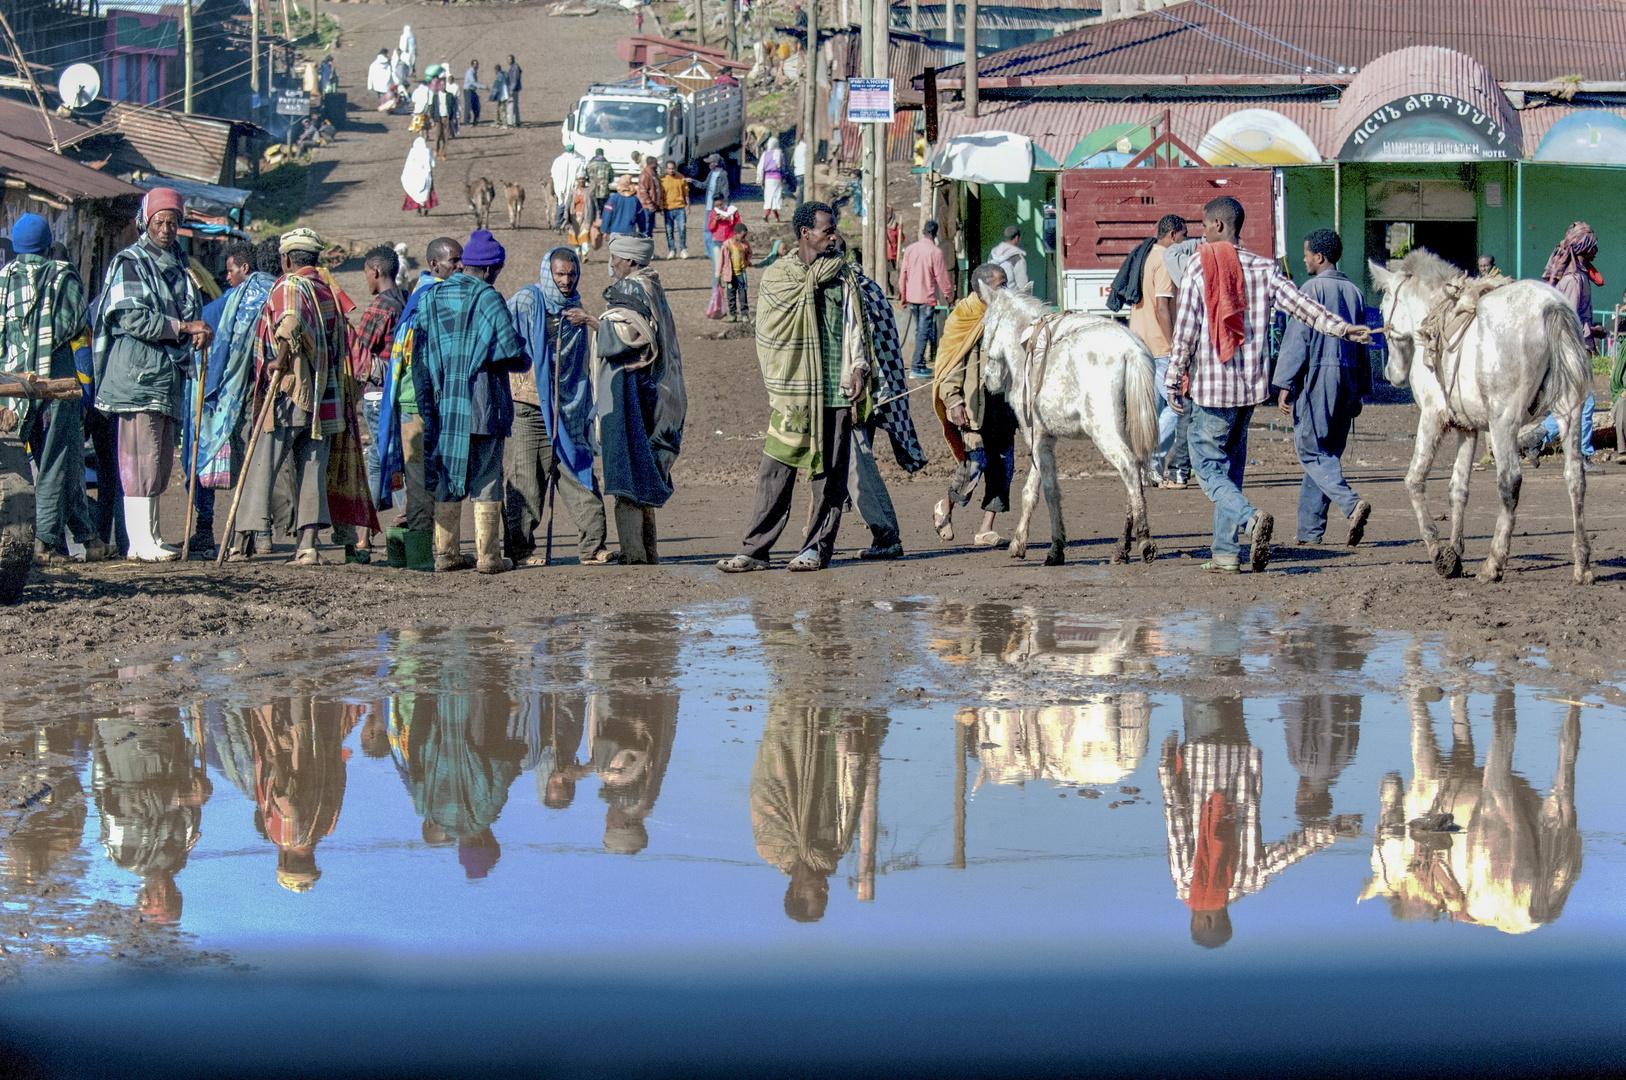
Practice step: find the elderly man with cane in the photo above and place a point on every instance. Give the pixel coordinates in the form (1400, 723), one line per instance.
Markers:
(299, 356)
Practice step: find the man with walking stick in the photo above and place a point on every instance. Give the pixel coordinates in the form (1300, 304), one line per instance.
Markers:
(299, 356)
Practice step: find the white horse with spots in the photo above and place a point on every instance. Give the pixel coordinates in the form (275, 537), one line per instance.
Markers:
(1520, 358)
(1069, 375)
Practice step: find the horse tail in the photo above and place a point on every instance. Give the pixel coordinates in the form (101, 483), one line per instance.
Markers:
(1569, 370)
(1140, 403)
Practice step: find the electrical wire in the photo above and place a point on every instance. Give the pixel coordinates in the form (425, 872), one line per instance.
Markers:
(1268, 36)
(1244, 50)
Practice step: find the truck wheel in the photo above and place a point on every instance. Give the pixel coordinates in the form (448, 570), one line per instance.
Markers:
(16, 519)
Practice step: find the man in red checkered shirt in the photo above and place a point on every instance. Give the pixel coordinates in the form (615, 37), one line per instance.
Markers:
(1221, 338)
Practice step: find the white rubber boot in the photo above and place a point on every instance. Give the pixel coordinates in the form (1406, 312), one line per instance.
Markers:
(140, 515)
(157, 535)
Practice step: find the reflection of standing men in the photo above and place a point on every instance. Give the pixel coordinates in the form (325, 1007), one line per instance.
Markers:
(150, 790)
(633, 729)
(807, 790)
(299, 774)
(463, 761)
(1212, 783)
(1322, 730)
(1517, 855)
(56, 825)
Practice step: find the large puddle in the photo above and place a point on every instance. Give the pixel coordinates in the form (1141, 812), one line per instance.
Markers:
(940, 784)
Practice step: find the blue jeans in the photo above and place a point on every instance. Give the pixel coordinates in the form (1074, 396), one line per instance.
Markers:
(1550, 425)
(369, 416)
(1219, 457)
(677, 229)
(1323, 477)
(711, 256)
(925, 334)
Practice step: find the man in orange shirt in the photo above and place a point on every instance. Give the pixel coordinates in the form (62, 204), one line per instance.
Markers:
(1152, 319)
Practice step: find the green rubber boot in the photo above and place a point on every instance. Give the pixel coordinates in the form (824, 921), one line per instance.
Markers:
(420, 549)
(395, 547)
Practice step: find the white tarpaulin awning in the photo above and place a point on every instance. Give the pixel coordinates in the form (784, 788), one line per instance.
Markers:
(988, 157)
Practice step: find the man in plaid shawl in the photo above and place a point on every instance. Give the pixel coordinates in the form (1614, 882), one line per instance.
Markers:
(464, 348)
(299, 354)
(813, 343)
(148, 327)
(891, 415)
(44, 305)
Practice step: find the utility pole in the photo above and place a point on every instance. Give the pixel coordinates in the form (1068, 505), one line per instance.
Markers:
(914, 16)
(971, 59)
(26, 74)
(810, 100)
(729, 28)
(316, 30)
(880, 43)
(186, 28)
(866, 131)
(948, 20)
(700, 21)
(254, 54)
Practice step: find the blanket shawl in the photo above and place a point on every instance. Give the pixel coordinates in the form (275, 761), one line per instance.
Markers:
(391, 457)
(43, 302)
(788, 352)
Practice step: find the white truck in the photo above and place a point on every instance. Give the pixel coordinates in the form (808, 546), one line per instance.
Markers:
(674, 111)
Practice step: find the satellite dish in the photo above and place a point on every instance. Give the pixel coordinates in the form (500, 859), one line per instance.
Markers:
(79, 86)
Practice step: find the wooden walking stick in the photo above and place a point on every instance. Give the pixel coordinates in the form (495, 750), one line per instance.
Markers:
(192, 488)
(553, 481)
(260, 423)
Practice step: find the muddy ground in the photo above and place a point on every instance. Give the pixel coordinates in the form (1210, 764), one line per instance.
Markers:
(96, 614)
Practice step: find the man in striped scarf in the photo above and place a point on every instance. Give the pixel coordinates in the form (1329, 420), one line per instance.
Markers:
(299, 354)
(44, 306)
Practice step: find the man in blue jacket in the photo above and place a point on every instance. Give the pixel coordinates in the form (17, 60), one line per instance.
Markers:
(1321, 380)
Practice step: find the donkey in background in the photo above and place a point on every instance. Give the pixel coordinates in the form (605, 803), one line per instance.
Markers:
(1070, 375)
(1520, 358)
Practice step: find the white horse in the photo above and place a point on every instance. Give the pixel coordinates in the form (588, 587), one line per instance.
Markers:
(1520, 358)
(1066, 376)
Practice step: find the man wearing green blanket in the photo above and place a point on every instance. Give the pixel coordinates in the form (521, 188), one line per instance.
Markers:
(813, 337)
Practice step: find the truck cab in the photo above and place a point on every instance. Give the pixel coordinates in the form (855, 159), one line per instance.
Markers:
(678, 111)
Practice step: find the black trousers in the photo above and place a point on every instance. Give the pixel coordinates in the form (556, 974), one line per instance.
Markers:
(776, 483)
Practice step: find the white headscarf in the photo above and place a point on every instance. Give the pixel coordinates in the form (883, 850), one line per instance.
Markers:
(380, 75)
(409, 47)
(419, 173)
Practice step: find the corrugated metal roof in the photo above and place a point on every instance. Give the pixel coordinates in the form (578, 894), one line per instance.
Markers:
(1058, 126)
(1421, 70)
(38, 167)
(148, 7)
(175, 144)
(1517, 40)
(22, 120)
(1001, 17)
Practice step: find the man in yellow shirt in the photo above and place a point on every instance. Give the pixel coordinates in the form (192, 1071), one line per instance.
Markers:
(1152, 319)
(675, 210)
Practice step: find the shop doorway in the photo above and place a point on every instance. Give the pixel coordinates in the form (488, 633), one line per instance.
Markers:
(1454, 241)
(1439, 215)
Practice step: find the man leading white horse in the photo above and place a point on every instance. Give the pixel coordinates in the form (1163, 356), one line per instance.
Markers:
(1220, 337)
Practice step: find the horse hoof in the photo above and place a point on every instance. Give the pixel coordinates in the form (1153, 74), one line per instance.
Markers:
(1057, 556)
(1019, 550)
(1489, 573)
(1148, 550)
(1447, 563)
(1583, 577)
(1120, 557)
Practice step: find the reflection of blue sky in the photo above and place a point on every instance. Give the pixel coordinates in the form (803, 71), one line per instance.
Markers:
(1050, 879)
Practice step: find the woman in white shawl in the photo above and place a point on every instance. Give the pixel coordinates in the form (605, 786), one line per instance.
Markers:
(409, 48)
(418, 178)
(381, 78)
(400, 69)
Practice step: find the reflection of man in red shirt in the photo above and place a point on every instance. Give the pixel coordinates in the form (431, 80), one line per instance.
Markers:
(1212, 785)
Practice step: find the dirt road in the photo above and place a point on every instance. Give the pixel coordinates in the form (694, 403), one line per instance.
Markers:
(127, 610)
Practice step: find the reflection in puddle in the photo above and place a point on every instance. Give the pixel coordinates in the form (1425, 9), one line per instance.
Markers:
(1510, 857)
(720, 779)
